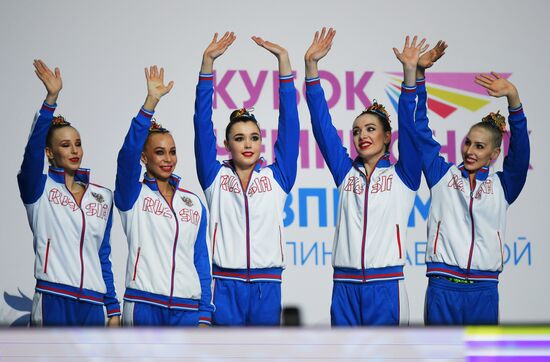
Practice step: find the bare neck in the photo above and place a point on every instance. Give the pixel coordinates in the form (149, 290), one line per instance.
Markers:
(165, 189)
(244, 175)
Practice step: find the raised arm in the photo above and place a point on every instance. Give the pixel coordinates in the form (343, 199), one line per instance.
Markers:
(205, 139)
(128, 161)
(409, 165)
(330, 144)
(202, 265)
(433, 164)
(288, 138)
(516, 162)
(30, 178)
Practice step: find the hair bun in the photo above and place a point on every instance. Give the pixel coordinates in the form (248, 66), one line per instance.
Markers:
(156, 127)
(496, 119)
(59, 121)
(242, 113)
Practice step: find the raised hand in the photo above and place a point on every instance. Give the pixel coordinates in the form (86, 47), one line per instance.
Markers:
(430, 57)
(409, 58)
(277, 50)
(215, 49)
(322, 42)
(497, 86)
(411, 52)
(155, 86)
(52, 80)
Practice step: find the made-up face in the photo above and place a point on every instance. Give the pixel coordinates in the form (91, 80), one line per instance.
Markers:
(244, 143)
(159, 156)
(369, 137)
(65, 149)
(479, 149)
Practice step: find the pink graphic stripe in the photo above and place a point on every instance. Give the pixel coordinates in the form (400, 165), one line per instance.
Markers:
(462, 81)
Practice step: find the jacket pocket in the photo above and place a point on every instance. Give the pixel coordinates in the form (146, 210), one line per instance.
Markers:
(501, 250)
(398, 241)
(136, 263)
(47, 256)
(281, 244)
(436, 236)
(214, 241)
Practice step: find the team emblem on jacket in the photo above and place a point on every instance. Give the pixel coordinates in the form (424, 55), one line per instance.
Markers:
(99, 197)
(187, 201)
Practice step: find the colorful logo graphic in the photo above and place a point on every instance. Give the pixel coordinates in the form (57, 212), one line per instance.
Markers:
(446, 92)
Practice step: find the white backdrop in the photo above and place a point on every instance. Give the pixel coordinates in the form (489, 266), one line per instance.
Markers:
(103, 46)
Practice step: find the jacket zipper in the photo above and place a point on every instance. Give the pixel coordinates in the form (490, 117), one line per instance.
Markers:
(47, 254)
(365, 212)
(245, 192)
(472, 189)
(136, 263)
(364, 240)
(82, 233)
(175, 243)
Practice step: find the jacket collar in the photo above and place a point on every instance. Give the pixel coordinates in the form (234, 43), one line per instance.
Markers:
(151, 182)
(259, 164)
(81, 175)
(481, 174)
(383, 162)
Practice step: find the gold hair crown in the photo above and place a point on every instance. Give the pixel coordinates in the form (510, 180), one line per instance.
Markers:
(496, 119)
(378, 109)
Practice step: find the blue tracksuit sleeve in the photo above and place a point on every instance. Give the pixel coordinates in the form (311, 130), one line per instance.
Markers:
(330, 144)
(409, 165)
(110, 299)
(127, 185)
(205, 139)
(516, 163)
(433, 164)
(202, 264)
(30, 178)
(286, 148)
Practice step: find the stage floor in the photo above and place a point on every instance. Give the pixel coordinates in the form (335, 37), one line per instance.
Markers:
(282, 344)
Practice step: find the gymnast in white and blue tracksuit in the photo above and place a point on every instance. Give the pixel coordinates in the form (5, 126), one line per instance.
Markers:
(168, 276)
(467, 220)
(246, 217)
(70, 219)
(368, 254)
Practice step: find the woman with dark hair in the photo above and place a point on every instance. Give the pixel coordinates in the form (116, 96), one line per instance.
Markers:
(70, 219)
(467, 220)
(168, 275)
(246, 199)
(376, 197)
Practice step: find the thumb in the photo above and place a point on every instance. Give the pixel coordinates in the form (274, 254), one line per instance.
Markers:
(170, 86)
(397, 54)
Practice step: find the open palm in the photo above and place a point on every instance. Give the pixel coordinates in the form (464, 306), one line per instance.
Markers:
(321, 45)
(430, 57)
